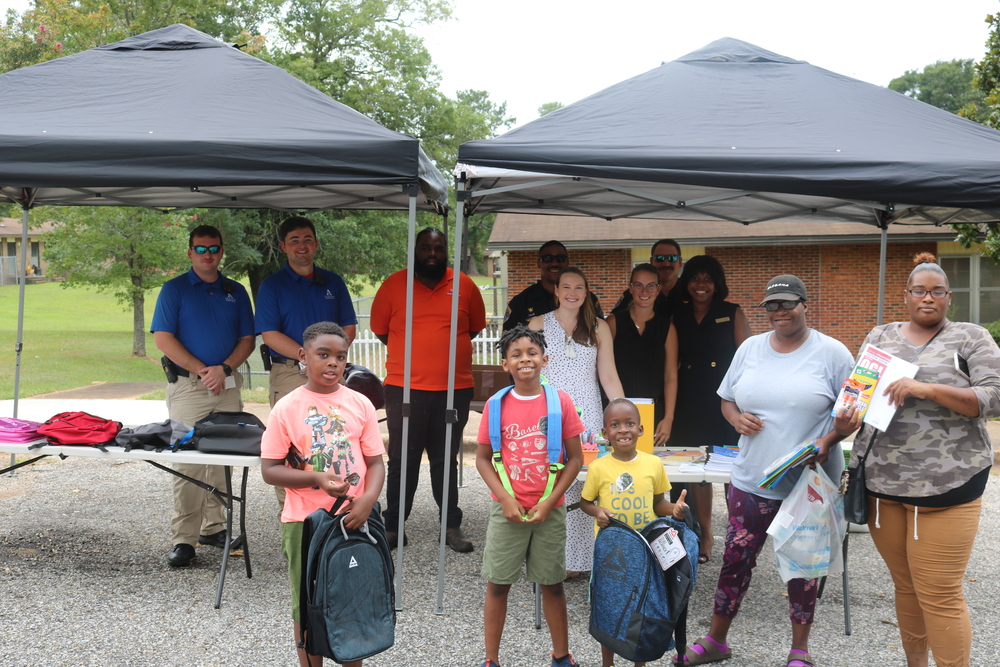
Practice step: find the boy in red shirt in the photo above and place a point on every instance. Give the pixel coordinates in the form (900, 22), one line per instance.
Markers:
(322, 441)
(525, 525)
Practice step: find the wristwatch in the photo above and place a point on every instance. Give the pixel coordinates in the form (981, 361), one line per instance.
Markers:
(228, 370)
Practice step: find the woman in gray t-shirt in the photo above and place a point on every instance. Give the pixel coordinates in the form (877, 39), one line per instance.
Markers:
(778, 392)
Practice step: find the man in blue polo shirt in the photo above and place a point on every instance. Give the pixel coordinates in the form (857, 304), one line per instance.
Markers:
(296, 297)
(203, 324)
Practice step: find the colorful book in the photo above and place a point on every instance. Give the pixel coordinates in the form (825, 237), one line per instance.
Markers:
(774, 473)
(875, 370)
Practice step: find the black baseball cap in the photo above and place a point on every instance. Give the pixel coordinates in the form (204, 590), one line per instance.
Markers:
(784, 288)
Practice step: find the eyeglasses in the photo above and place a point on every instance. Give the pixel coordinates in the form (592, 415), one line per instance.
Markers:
(920, 292)
(773, 306)
(561, 258)
(666, 258)
(202, 249)
(648, 287)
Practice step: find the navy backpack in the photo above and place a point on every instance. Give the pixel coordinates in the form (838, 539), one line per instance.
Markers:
(634, 604)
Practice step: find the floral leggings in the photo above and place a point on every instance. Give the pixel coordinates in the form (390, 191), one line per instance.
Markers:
(749, 518)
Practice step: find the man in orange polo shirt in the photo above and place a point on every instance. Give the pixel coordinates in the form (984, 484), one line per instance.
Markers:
(432, 295)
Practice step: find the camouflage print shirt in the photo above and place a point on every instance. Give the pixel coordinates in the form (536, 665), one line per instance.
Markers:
(929, 449)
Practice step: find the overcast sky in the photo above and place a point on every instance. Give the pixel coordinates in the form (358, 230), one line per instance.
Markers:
(529, 52)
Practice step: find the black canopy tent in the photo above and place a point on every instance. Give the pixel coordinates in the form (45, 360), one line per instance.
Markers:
(173, 119)
(735, 132)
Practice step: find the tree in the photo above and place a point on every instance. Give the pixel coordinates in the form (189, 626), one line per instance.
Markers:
(125, 251)
(947, 85)
(548, 108)
(987, 81)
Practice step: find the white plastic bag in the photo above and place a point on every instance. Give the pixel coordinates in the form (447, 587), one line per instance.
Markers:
(809, 528)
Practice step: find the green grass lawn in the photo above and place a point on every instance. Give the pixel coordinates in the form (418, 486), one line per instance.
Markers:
(74, 337)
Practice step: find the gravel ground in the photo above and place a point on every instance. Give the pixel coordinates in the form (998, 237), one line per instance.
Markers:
(83, 546)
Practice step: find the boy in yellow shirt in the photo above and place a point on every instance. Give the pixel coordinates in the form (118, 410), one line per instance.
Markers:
(628, 485)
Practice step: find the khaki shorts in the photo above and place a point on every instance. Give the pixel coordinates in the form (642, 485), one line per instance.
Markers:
(541, 547)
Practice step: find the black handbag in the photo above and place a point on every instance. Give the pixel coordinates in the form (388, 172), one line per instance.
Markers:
(852, 485)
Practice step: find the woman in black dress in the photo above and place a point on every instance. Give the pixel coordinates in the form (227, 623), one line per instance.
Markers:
(646, 350)
(709, 329)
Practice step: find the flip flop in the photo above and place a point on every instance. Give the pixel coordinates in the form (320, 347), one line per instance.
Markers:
(799, 658)
(711, 651)
(703, 558)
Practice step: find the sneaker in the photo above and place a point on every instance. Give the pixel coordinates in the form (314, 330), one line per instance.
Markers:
(489, 663)
(565, 661)
(216, 540)
(456, 539)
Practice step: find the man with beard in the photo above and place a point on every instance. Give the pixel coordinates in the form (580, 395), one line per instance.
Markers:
(666, 257)
(432, 296)
(540, 298)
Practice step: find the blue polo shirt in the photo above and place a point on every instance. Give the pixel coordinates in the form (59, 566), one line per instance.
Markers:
(289, 303)
(206, 319)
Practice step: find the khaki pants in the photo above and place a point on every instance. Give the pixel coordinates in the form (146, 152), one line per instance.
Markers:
(284, 379)
(928, 573)
(196, 511)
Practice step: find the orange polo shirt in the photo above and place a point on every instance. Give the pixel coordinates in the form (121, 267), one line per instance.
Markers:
(431, 329)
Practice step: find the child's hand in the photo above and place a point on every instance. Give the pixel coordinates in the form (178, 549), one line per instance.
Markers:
(680, 507)
(332, 484)
(359, 509)
(604, 517)
(512, 510)
(540, 512)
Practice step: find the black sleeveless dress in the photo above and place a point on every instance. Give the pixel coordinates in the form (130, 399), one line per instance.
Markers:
(640, 359)
(705, 352)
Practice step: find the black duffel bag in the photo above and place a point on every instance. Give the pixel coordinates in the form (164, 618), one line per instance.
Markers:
(228, 433)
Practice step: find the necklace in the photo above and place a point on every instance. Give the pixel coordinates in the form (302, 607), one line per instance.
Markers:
(570, 348)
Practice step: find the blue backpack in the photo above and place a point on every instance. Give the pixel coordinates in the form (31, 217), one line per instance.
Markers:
(553, 436)
(347, 600)
(634, 604)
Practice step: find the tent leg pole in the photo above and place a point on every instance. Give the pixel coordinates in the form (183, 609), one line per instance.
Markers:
(451, 415)
(881, 271)
(18, 346)
(407, 348)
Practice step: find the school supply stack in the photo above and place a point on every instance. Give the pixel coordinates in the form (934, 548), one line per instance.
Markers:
(775, 472)
(636, 603)
(875, 368)
(18, 431)
(721, 459)
(348, 603)
(79, 428)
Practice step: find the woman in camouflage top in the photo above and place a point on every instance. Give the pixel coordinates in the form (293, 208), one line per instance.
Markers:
(927, 473)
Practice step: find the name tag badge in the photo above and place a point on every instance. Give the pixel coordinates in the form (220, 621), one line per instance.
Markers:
(720, 320)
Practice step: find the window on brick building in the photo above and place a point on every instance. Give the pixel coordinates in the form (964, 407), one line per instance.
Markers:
(975, 284)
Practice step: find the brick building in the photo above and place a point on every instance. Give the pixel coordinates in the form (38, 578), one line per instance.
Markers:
(838, 263)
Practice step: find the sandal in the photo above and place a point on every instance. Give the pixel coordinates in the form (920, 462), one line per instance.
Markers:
(703, 558)
(799, 658)
(711, 651)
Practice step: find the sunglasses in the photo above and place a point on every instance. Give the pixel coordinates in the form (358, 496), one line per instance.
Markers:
(666, 258)
(202, 249)
(773, 306)
(547, 259)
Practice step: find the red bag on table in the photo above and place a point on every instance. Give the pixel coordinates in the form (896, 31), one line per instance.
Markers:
(80, 428)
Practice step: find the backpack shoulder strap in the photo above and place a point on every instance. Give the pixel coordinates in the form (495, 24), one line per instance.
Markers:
(553, 437)
(494, 424)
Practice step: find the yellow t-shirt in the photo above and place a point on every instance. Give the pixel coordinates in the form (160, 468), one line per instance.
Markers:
(626, 487)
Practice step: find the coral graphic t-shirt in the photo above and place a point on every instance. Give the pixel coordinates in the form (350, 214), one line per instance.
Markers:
(323, 432)
(523, 442)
